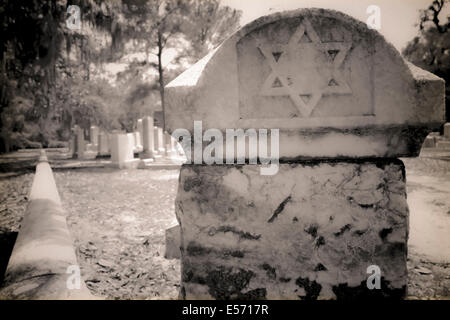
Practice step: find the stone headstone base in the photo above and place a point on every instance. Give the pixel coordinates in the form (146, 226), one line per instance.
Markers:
(173, 243)
(144, 162)
(146, 155)
(129, 164)
(447, 130)
(443, 145)
(104, 154)
(308, 232)
(429, 142)
(138, 150)
(90, 155)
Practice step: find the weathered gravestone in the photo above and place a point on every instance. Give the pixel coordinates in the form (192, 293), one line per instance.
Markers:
(132, 141)
(347, 106)
(173, 147)
(122, 151)
(429, 142)
(447, 130)
(81, 144)
(93, 135)
(73, 141)
(172, 243)
(148, 138)
(159, 141)
(140, 129)
(168, 145)
(72, 145)
(137, 142)
(103, 144)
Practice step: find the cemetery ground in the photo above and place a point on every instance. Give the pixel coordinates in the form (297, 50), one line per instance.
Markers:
(118, 218)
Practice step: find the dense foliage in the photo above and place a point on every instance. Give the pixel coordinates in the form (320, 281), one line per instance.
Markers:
(430, 49)
(53, 77)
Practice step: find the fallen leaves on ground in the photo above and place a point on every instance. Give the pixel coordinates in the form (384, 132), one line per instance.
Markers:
(118, 220)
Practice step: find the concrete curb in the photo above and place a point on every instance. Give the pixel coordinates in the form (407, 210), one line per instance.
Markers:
(43, 263)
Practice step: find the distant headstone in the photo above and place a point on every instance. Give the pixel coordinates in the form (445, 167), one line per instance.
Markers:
(73, 142)
(148, 137)
(137, 142)
(155, 139)
(122, 151)
(443, 144)
(72, 145)
(340, 104)
(80, 143)
(447, 130)
(172, 243)
(103, 144)
(132, 141)
(140, 129)
(93, 134)
(173, 146)
(160, 139)
(429, 142)
(168, 145)
(90, 152)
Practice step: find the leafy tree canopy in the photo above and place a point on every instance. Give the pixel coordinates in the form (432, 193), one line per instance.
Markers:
(430, 49)
(53, 77)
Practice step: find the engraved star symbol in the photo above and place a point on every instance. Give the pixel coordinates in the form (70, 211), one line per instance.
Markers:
(302, 74)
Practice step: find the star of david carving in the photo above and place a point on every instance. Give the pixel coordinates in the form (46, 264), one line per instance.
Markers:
(305, 69)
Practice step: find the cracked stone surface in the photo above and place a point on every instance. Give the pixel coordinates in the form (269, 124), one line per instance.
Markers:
(309, 232)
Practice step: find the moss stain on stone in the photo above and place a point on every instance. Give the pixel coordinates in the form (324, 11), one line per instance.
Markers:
(343, 230)
(270, 271)
(191, 183)
(194, 249)
(242, 234)
(312, 230)
(312, 288)
(359, 232)
(279, 209)
(320, 267)
(256, 294)
(224, 284)
(360, 292)
(320, 241)
(384, 233)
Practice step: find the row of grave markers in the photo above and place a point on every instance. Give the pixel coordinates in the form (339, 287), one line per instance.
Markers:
(436, 141)
(149, 142)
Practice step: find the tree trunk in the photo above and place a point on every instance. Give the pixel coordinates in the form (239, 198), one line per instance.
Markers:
(161, 79)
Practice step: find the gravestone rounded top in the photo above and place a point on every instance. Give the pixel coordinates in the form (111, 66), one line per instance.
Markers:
(331, 85)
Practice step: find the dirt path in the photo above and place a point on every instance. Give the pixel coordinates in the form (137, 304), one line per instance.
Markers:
(13, 201)
(428, 184)
(118, 218)
(429, 202)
